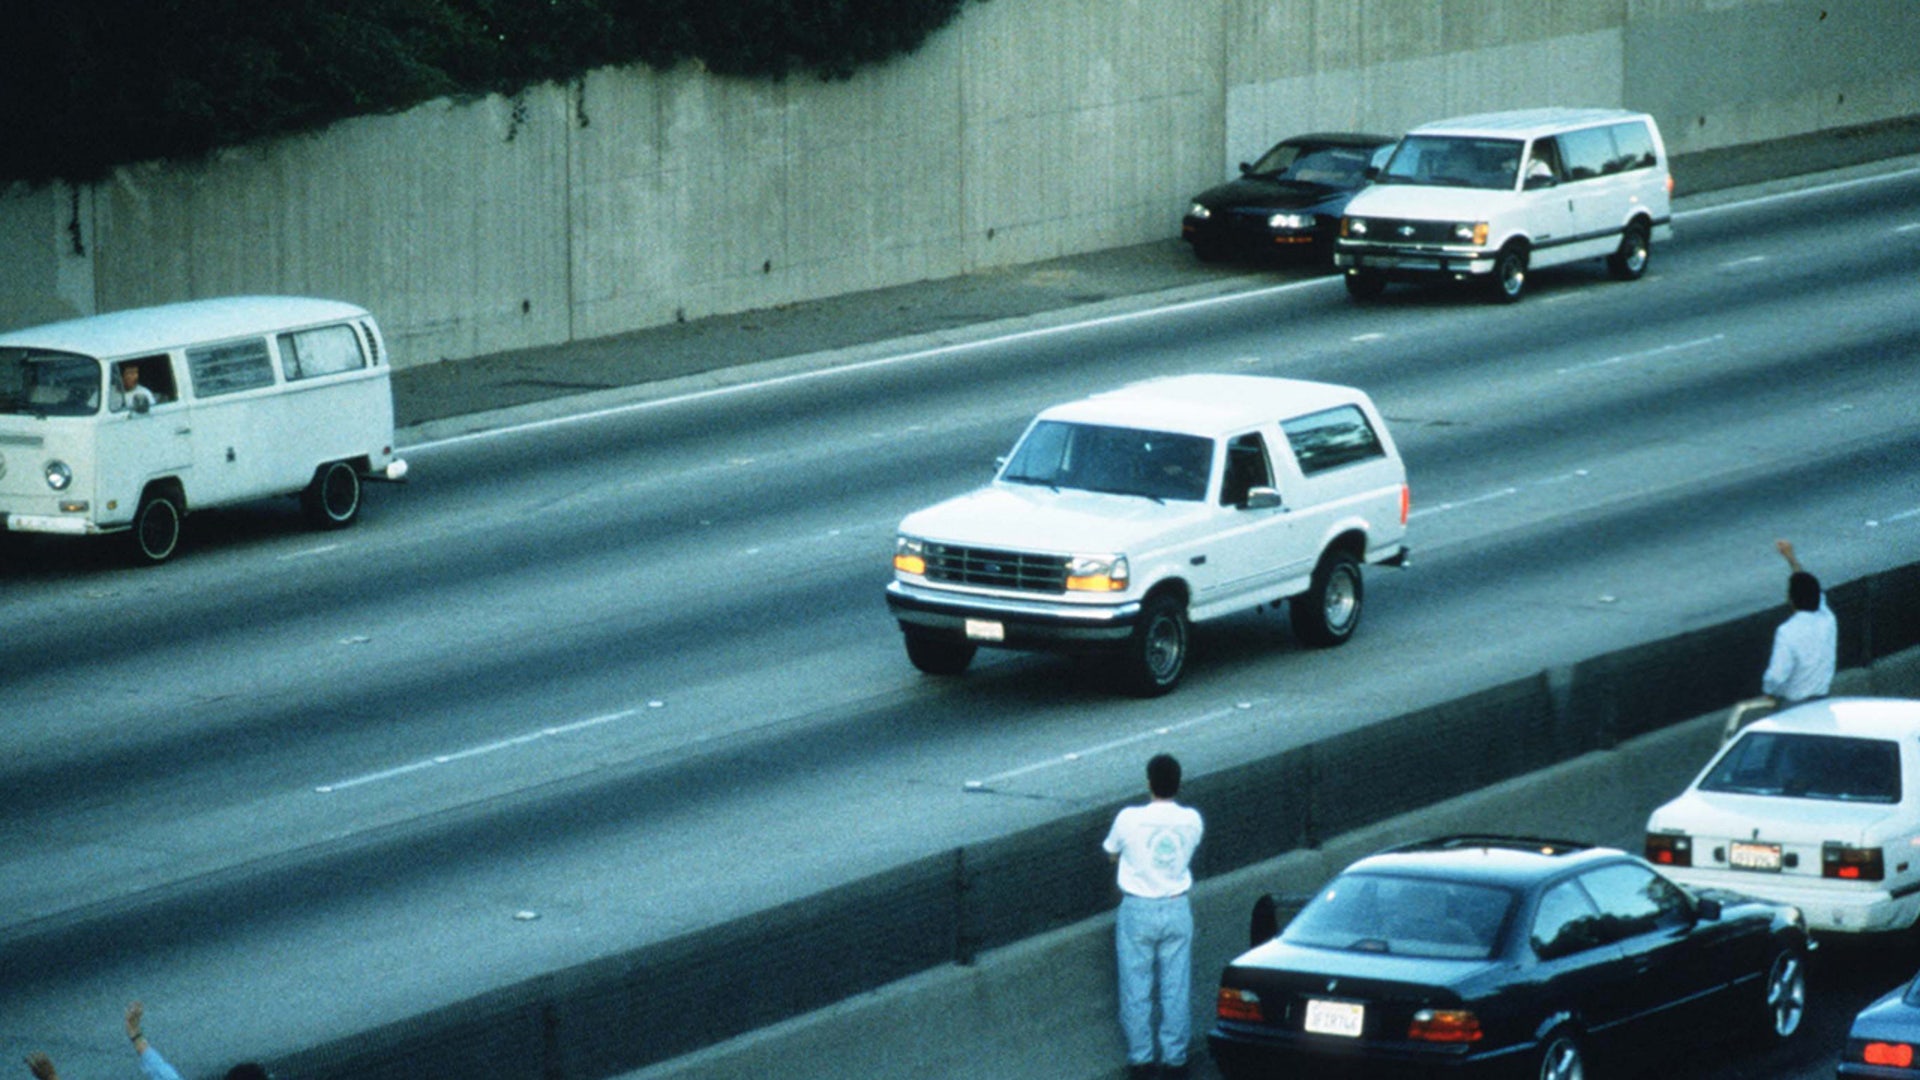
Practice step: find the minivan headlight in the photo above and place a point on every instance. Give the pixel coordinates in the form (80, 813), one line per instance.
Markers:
(1353, 226)
(59, 476)
(1097, 573)
(1471, 232)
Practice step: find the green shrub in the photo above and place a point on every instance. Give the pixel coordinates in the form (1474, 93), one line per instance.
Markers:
(89, 84)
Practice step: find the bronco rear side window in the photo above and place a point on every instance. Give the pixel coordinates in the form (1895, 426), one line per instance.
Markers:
(1330, 439)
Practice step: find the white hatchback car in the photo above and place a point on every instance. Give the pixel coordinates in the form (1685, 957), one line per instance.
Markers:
(1817, 806)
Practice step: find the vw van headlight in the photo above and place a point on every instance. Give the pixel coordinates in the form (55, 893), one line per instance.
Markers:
(1097, 573)
(59, 476)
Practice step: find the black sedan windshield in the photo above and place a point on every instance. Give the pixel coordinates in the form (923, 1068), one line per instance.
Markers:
(1404, 916)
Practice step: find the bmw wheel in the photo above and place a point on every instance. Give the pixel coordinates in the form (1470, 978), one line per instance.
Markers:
(1786, 996)
(1561, 1058)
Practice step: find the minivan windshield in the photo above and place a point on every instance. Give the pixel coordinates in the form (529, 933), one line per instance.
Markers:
(35, 382)
(1455, 161)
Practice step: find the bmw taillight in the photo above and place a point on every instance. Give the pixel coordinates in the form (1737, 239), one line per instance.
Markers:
(1444, 1026)
(1242, 1005)
(1667, 849)
(1850, 863)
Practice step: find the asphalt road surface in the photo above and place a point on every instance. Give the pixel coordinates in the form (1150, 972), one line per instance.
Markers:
(589, 684)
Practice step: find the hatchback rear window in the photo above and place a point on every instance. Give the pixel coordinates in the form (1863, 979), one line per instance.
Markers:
(1403, 916)
(1797, 766)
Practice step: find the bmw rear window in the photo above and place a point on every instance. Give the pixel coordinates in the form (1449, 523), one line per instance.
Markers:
(1403, 916)
(1798, 766)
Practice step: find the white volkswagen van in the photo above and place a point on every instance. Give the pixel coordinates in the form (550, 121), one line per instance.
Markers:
(126, 422)
(1487, 198)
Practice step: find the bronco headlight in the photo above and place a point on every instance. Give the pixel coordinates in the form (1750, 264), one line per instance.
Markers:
(909, 555)
(1199, 211)
(1097, 573)
(58, 475)
(1290, 221)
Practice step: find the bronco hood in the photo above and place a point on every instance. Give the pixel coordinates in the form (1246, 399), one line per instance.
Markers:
(1028, 517)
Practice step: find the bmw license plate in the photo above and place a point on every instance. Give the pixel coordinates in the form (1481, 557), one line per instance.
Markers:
(986, 630)
(1341, 1018)
(1743, 856)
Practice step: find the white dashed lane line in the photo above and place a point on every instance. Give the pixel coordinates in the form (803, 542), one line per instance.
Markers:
(476, 751)
(987, 784)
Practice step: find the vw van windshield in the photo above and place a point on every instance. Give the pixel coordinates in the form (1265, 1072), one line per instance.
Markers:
(35, 382)
(1454, 161)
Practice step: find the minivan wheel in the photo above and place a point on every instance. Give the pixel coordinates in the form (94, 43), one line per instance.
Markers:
(1329, 611)
(1365, 286)
(332, 500)
(1630, 261)
(1509, 274)
(156, 528)
(1157, 652)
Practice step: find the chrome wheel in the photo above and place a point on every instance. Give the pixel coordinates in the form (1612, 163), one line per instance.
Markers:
(1159, 652)
(1786, 995)
(1561, 1059)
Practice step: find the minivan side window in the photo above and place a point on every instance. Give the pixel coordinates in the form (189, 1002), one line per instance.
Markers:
(1633, 145)
(230, 368)
(328, 350)
(1586, 153)
(1330, 439)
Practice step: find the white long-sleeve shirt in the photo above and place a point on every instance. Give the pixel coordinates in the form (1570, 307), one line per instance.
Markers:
(1805, 649)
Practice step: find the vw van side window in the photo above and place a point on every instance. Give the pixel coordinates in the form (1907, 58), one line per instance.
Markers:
(230, 368)
(328, 350)
(1633, 147)
(1586, 153)
(1330, 439)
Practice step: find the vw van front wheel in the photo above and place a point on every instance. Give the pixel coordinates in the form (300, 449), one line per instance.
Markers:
(332, 500)
(156, 528)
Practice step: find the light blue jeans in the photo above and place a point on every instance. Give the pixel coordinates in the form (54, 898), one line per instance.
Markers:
(1150, 935)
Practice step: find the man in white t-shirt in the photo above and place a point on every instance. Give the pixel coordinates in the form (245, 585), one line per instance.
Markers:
(1153, 933)
(1806, 646)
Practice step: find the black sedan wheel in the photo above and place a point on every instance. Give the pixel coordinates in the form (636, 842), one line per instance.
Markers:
(1561, 1059)
(1786, 995)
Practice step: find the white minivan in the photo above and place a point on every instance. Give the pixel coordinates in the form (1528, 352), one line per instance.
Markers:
(1487, 198)
(125, 422)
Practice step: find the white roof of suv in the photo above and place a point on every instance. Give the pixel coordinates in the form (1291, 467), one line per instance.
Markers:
(1206, 405)
(1524, 123)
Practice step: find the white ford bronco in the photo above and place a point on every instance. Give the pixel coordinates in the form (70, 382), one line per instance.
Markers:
(1121, 518)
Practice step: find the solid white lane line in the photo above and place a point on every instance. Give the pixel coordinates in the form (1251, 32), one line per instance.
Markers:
(1441, 508)
(1073, 756)
(473, 751)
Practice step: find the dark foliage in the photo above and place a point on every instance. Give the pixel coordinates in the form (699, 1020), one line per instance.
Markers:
(89, 84)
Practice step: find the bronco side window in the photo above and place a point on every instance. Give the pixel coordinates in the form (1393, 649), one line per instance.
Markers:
(1247, 468)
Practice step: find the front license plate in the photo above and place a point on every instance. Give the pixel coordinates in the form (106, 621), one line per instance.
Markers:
(1754, 856)
(1342, 1018)
(986, 630)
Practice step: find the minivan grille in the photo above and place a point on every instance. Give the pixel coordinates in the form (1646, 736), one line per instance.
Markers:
(993, 569)
(1404, 231)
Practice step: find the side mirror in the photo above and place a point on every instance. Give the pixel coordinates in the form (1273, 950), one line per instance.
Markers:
(1261, 498)
(138, 404)
(1707, 908)
(1246, 167)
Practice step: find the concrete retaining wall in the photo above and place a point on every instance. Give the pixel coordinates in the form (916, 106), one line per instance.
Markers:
(959, 909)
(1021, 132)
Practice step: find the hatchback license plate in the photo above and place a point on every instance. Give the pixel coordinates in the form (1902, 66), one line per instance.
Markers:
(1341, 1018)
(986, 630)
(1754, 856)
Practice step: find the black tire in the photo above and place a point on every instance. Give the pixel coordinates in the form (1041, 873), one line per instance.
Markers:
(332, 499)
(1329, 611)
(1561, 1057)
(1636, 248)
(156, 528)
(1784, 997)
(1509, 281)
(1209, 251)
(1156, 654)
(1364, 286)
(937, 655)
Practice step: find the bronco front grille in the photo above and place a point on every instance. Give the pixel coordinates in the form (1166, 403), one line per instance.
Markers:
(989, 568)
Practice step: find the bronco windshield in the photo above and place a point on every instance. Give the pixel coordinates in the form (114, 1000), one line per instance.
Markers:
(1156, 465)
(1454, 161)
(35, 382)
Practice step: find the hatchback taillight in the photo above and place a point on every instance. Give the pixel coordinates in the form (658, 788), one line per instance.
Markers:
(1891, 1055)
(1666, 849)
(1850, 863)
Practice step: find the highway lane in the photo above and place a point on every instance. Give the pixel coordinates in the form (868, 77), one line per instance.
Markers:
(599, 670)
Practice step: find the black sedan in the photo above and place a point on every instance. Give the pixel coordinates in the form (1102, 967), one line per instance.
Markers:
(1502, 956)
(1884, 1042)
(1288, 202)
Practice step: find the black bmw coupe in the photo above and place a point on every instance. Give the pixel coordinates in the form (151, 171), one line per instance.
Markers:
(1286, 204)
